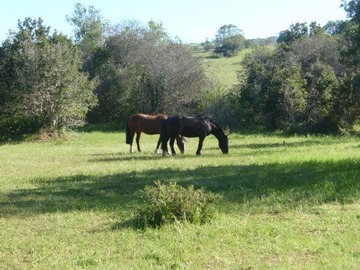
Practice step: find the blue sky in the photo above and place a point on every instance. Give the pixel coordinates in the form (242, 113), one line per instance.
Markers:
(190, 20)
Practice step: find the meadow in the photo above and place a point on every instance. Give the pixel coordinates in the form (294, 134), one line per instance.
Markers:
(287, 203)
(223, 70)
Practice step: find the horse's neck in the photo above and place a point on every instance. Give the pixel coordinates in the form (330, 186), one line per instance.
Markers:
(217, 132)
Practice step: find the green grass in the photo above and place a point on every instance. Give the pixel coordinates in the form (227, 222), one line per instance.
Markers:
(222, 70)
(288, 203)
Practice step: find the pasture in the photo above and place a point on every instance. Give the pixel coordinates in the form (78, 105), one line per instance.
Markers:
(223, 70)
(288, 203)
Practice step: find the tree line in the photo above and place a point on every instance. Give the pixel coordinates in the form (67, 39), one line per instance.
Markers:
(308, 82)
(49, 81)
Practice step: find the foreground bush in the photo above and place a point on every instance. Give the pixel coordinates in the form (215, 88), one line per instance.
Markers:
(167, 203)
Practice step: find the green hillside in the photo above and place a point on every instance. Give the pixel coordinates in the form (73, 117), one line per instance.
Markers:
(222, 70)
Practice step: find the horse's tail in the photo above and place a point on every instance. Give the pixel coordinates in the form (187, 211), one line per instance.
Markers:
(129, 136)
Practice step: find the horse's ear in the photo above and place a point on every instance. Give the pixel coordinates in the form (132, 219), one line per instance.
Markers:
(227, 130)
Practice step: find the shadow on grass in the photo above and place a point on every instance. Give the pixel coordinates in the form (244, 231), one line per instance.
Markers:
(125, 157)
(269, 187)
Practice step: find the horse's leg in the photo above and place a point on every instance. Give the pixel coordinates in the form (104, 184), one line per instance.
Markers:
(172, 140)
(131, 142)
(138, 140)
(158, 145)
(201, 140)
(164, 142)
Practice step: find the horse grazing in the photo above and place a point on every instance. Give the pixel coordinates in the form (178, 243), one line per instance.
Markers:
(149, 124)
(191, 127)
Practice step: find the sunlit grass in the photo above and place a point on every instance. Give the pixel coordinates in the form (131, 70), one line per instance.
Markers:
(222, 70)
(288, 203)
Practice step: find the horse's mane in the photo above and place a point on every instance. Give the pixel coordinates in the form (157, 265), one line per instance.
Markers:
(201, 116)
(210, 119)
(217, 126)
(213, 122)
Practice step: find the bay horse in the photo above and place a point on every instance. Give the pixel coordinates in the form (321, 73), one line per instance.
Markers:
(149, 124)
(201, 127)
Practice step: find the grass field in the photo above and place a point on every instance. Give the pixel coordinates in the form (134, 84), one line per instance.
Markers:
(223, 70)
(288, 203)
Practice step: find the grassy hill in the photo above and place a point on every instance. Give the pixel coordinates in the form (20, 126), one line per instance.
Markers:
(222, 70)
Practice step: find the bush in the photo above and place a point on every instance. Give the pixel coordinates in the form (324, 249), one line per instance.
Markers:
(15, 128)
(167, 203)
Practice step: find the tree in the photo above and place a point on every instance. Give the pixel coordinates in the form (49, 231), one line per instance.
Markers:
(89, 31)
(141, 69)
(350, 89)
(42, 79)
(229, 40)
(227, 31)
(316, 29)
(335, 27)
(353, 32)
(207, 45)
(231, 46)
(295, 32)
(294, 87)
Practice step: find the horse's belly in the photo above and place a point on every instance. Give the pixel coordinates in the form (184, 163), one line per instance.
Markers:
(152, 132)
(193, 133)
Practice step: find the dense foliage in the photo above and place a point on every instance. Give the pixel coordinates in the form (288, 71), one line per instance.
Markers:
(50, 81)
(303, 85)
(142, 70)
(229, 40)
(41, 82)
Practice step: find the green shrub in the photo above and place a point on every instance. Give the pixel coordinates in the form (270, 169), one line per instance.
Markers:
(167, 203)
(14, 128)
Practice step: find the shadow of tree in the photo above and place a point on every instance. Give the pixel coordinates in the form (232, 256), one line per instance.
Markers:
(281, 185)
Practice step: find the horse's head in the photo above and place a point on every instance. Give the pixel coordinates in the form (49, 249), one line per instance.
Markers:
(224, 141)
(224, 145)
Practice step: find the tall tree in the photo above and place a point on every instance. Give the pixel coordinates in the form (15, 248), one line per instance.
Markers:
(353, 31)
(227, 31)
(142, 69)
(349, 95)
(229, 40)
(89, 31)
(42, 79)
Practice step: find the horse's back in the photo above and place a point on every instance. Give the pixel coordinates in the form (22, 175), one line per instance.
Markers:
(188, 126)
(149, 124)
(196, 126)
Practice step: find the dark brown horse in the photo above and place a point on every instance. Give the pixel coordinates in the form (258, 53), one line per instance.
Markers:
(191, 127)
(149, 124)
